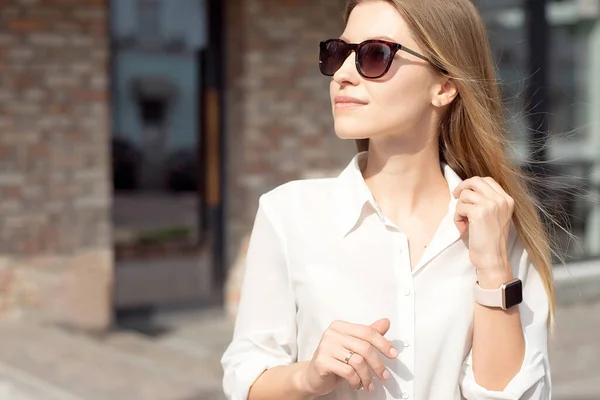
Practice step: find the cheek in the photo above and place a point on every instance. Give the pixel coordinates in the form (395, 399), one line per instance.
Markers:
(401, 101)
(333, 90)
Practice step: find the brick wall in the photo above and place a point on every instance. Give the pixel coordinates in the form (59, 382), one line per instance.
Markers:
(55, 252)
(279, 123)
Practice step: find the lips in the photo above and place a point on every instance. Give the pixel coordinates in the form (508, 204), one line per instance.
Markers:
(348, 102)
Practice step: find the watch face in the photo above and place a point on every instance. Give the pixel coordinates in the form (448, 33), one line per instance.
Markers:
(513, 294)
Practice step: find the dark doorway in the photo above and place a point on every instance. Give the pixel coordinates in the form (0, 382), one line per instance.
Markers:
(167, 153)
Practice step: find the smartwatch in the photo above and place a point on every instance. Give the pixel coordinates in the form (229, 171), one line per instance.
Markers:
(505, 297)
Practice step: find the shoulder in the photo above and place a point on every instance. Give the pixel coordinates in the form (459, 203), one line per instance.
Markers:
(298, 192)
(297, 203)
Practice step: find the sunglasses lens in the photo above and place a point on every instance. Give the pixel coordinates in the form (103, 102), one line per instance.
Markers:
(332, 55)
(373, 59)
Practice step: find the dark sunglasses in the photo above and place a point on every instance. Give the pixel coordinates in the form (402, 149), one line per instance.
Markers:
(373, 57)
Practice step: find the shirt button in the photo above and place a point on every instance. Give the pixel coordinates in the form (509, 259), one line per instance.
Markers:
(406, 343)
(406, 291)
(405, 395)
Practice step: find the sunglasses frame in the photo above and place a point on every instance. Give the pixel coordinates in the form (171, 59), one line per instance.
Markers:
(394, 48)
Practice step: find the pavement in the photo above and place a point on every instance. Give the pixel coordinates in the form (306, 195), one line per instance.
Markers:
(575, 352)
(181, 359)
(53, 363)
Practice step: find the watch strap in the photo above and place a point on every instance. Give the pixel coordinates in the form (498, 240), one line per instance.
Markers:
(488, 297)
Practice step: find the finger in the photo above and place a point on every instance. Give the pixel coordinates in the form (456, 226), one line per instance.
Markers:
(366, 357)
(478, 185)
(359, 364)
(368, 334)
(462, 226)
(344, 371)
(496, 186)
(463, 211)
(491, 199)
(382, 325)
(470, 197)
(480, 201)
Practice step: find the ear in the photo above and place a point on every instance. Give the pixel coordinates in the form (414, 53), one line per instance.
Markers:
(445, 93)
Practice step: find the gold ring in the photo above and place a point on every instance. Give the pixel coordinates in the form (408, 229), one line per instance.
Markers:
(347, 359)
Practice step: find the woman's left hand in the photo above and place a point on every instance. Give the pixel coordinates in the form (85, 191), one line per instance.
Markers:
(485, 211)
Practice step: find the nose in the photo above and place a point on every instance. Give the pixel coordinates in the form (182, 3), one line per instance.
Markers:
(347, 73)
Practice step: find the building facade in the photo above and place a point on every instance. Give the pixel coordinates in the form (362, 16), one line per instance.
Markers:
(137, 135)
(55, 227)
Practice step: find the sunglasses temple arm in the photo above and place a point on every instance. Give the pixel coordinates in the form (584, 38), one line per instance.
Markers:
(414, 53)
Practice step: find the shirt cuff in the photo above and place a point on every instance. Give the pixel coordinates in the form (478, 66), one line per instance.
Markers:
(532, 374)
(247, 357)
(238, 384)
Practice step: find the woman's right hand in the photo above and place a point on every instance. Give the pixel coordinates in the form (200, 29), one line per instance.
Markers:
(328, 367)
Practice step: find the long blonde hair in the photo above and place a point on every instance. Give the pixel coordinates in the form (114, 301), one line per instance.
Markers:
(473, 133)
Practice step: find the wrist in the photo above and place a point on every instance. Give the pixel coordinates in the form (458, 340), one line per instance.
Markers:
(494, 278)
(299, 381)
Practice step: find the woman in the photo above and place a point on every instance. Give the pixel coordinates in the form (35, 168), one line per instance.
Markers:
(422, 271)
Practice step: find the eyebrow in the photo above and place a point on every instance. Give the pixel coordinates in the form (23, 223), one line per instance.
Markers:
(373, 37)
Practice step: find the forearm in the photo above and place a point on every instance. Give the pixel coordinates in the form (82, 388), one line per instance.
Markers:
(282, 382)
(498, 342)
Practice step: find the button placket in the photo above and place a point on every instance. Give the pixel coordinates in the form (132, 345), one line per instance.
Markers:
(406, 287)
(406, 308)
(409, 343)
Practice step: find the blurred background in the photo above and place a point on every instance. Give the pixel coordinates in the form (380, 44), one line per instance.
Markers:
(137, 135)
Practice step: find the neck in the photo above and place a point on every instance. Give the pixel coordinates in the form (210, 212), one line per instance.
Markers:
(404, 181)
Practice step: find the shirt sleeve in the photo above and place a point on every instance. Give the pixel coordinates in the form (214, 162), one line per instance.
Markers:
(265, 327)
(532, 382)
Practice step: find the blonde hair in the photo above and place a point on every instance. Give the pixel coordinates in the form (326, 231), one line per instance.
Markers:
(473, 134)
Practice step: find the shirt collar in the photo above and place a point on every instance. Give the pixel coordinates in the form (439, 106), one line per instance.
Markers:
(354, 198)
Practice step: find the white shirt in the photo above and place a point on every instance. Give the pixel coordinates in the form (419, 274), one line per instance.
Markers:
(321, 250)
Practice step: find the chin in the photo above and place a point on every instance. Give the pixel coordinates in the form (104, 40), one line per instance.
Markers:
(352, 129)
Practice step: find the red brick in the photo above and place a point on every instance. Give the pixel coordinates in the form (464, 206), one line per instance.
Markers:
(11, 192)
(89, 95)
(60, 109)
(96, 29)
(76, 136)
(37, 150)
(26, 25)
(24, 81)
(54, 3)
